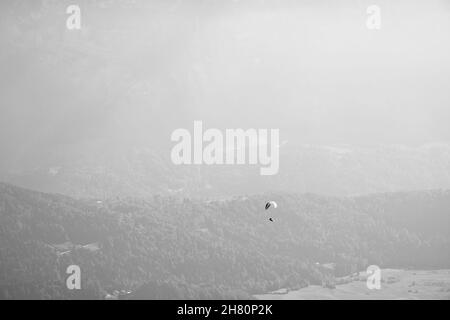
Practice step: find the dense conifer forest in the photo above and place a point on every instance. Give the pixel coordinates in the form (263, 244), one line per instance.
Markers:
(168, 247)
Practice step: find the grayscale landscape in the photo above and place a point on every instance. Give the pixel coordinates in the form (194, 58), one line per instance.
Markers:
(87, 171)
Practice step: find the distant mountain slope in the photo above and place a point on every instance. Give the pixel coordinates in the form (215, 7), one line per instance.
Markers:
(170, 247)
(101, 172)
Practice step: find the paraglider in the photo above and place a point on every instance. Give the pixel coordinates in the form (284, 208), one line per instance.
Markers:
(271, 204)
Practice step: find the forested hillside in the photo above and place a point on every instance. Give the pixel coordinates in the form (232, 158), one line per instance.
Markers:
(94, 170)
(167, 247)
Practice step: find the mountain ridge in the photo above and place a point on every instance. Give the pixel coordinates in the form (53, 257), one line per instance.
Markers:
(97, 171)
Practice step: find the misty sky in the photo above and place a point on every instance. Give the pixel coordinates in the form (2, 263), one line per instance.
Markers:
(135, 73)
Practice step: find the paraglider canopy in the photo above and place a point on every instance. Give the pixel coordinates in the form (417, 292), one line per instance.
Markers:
(271, 203)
